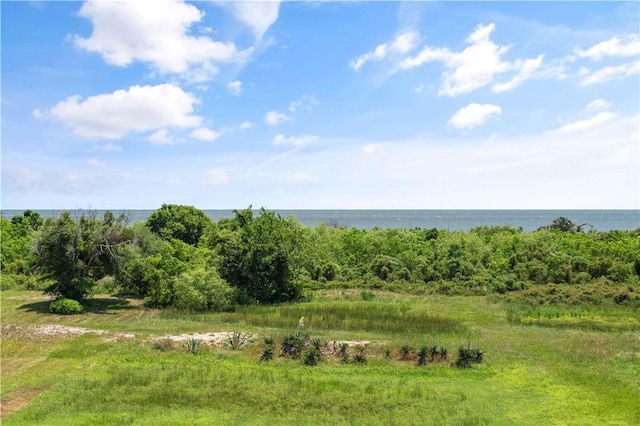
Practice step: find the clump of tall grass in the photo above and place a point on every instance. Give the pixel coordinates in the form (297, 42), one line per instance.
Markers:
(163, 345)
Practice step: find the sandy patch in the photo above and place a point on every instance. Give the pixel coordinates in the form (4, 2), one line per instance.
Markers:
(218, 338)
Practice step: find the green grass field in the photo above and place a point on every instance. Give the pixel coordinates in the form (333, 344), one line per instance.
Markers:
(559, 366)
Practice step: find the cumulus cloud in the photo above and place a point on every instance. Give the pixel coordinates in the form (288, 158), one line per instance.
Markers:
(161, 137)
(156, 33)
(204, 134)
(402, 44)
(235, 87)
(217, 177)
(258, 16)
(609, 73)
(475, 66)
(273, 118)
(110, 147)
(37, 114)
(629, 46)
(295, 141)
(587, 124)
(245, 125)
(473, 115)
(137, 109)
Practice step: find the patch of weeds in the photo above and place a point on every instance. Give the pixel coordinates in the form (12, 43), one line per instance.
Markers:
(163, 345)
(367, 295)
(344, 352)
(360, 357)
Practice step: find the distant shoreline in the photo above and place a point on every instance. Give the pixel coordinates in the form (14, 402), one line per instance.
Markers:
(454, 220)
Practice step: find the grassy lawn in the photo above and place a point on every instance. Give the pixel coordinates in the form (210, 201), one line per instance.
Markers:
(563, 367)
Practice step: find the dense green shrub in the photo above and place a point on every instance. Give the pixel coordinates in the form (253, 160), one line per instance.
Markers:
(202, 290)
(261, 259)
(65, 307)
(185, 223)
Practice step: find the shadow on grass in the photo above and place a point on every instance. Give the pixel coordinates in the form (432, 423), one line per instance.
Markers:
(101, 305)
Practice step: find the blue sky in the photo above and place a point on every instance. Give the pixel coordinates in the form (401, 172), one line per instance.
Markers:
(314, 105)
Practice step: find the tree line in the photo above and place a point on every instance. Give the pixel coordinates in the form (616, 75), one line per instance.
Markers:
(179, 257)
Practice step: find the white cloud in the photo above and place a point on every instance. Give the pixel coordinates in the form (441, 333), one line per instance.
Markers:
(273, 118)
(630, 46)
(175, 180)
(402, 44)
(372, 148)
(110, 147)
(95, 162)
(296, 141)
(156, 33)
(528, 68)
(597, 104)
(37, 114)
(610, 73)
(137, 109)
(305, 102)
(235, 87)
(217, 177)
(258, 16)
(586, 124)
(419, 88)
(161, 137)
(475, 66)
(245, 125)
(204, 134)
(473, 115)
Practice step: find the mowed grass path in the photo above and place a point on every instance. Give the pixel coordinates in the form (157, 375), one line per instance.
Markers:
(532, 374)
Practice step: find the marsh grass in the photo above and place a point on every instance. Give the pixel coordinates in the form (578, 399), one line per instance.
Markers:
(368, 316)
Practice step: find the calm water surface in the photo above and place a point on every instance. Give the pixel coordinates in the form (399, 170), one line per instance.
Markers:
(454, 220)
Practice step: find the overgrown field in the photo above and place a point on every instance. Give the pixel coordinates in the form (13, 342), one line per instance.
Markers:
(541, 365)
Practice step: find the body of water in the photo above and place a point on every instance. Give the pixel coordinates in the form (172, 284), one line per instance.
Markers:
(529, 220)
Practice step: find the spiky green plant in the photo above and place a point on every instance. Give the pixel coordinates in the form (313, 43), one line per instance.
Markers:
(405, 350)
(312, 356)
(237, 340)
(423, 353)
(193, 346)
(293, 344)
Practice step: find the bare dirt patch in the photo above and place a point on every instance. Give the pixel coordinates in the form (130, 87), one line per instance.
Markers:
(17, 400)
(56, 330)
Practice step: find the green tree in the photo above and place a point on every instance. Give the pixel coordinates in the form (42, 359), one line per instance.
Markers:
(185, 223)
(261, 258)
(77, 252)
